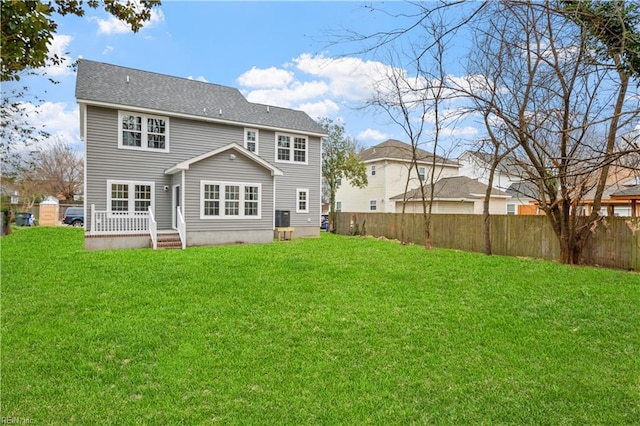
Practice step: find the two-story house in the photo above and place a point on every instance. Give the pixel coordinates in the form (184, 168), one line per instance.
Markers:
(172, 155)
(388, 171)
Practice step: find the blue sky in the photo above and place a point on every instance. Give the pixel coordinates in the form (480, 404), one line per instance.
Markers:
(278, 53)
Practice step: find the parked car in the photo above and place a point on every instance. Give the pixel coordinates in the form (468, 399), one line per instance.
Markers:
(74, 216)
(324, 222)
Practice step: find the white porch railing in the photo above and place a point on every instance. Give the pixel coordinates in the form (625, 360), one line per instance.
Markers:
(182, 228)
(105, 222)
(153, 229)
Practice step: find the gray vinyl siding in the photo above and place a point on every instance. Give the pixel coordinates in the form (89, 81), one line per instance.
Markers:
(104, 161)
(301, 176)
(222, 168)
(188, 139)
(307, 176)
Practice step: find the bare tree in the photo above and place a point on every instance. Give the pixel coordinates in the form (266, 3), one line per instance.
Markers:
(563, 110)
(560, 97)
(59, 169)
(409, 101)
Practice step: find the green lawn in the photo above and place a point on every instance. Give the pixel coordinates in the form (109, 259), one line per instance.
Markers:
(334, 330)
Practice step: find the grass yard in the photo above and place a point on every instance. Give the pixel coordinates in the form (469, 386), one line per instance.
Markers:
(334, 330)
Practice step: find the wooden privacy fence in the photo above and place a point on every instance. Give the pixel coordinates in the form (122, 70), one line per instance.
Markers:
(615, 242)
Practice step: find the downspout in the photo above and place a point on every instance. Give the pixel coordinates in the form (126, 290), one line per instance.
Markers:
(273, 209)
(83, 127)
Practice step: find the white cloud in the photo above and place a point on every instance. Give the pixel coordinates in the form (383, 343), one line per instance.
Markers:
(108, 49)
(457, 132)
(59, 119)
(113, 25)
(58, 46)
(372, 135)
(269, 78)
(334, 81)
(325, 108)
(288, 97)
(199, 78)
(350, 78)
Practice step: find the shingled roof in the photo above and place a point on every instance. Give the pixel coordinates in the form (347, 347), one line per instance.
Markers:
(452, 187)
(396, 150)
(631, 191)
(127, 87)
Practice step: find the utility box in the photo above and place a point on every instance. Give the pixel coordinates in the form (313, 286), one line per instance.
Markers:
(283, 218)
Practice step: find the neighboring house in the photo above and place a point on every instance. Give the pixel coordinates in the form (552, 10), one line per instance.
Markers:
(524, 199)
(477, 165)
(167, 154)
(9, 192)
(508, 177)
(453, 195)
(629, 196)
(388, 165)
(621, 198)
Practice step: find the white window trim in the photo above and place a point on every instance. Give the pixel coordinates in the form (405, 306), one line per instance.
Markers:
(246, 142)
(298, 192)
(242, 185)
(338, 206)
(422, 176)
(144, 146)
(291, 148)
(375, 203)
(515, 210)
(373, 170)
(132, 199)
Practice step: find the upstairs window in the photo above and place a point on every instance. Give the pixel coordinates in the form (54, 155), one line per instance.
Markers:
(144, 132)
(373, 170)
(422, 172)
(291, 148)
(373, 206)
(251, 140)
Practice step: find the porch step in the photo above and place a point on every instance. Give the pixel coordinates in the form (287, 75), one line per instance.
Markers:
(169, 241)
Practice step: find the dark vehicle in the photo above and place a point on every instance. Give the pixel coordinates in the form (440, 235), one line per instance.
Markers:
(73, 216)
(324, 222)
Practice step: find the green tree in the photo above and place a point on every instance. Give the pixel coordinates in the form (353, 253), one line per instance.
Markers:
(339, 160)
(613, 29)
(28, 28)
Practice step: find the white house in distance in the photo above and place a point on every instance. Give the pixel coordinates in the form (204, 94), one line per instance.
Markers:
(508, 177)
(388, 165)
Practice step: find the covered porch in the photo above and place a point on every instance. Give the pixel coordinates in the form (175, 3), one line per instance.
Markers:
(113, 229)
